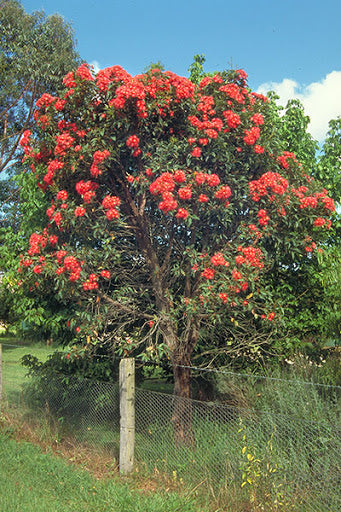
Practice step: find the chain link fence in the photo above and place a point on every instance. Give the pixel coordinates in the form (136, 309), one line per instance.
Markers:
(261, 445)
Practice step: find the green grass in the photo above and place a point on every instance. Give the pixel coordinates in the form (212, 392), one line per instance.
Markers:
(31, 481)
(13, 373)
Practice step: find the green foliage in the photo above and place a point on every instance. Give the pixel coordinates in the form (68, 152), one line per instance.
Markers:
(62, 364)
(258, 473)
(329, 165)
(35, 52)
(196, 69)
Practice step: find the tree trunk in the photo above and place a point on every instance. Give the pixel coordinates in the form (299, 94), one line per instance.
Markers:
(183, 413)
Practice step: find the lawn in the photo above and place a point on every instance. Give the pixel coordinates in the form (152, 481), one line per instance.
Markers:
(31, 481)
(13, 373)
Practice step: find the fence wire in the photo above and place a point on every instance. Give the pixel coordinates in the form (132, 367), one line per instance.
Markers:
(256, 443)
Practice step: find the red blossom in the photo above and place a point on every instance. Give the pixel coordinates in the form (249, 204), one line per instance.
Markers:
(185, 193)
(208, 273)
(223, 192)
(251, 135)
(182, 213)
(84, 72)
(319, 221)
(111, 202)
(232, 119)
(258, 149)
(258, 119)
(133, 141)
(196, 152)
(62, 195)
(112, 214)
(203, 198)
(80, 211)
(218, 259)
(213, 180)
(179, 176)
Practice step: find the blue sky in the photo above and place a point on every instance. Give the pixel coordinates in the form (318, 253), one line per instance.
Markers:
(291, 46)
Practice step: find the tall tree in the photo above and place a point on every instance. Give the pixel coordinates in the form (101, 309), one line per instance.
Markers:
(169, 201)
(35, 52)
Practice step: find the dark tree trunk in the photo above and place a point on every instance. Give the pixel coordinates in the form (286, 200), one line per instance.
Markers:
(183, 413)
(183, 410)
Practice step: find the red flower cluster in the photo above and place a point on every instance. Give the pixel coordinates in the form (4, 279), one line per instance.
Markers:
(64, 142)
(69, 80)
(84, 72)
(168, 203)
(203, 198)
(110, 204)
(263, 217)
(270, 180)
(179, 176)
(235, 92)
(44, 101)
(223, 192)
(232, 119)
(182, 213)
(251, 135)
(25, 139)
(223, 297)
(105, 274)
(71, 264)
(218, 259)
(164, 183)
(319, 221)
(208, 273)
(91, 284)
(87, 190)
(251, 255)
(54, 165)
(37, 242)
(258, 119)
(196, 152)
(80, 211)
(213, 180)
(133, 142)
(98, 158)
(283, 159)
(62, 195)
(313, 201)
(112, 74)
(185, 193)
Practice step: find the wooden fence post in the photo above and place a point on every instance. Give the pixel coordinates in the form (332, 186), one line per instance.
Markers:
(127, 414)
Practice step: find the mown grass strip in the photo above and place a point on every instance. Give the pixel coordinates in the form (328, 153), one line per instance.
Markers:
(31, 481)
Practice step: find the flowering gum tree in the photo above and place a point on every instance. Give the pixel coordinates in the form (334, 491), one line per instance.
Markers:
(168, 204)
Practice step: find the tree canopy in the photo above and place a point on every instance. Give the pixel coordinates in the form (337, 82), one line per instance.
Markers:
(171, 208)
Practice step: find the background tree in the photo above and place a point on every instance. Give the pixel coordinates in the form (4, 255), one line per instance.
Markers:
(169, 205)
(35, 52)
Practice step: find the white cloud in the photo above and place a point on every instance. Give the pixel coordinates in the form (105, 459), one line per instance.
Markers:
(321, 100)
(95, 65)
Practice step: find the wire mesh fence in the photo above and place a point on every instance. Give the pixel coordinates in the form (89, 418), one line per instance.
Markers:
(260, 445)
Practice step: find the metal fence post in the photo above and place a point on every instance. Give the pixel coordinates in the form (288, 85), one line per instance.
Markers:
(127, 414)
